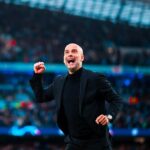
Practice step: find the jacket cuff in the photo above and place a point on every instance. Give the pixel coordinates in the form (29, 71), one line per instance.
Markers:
(110, 118)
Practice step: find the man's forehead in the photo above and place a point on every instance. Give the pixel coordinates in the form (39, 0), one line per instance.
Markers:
(72, 46)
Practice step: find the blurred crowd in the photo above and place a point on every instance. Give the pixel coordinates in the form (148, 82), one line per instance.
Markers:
(32, 146)
(18, 106)
(58, 146)
(30, 35)
(134, 116)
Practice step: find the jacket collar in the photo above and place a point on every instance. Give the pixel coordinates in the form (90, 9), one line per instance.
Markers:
(83, 82)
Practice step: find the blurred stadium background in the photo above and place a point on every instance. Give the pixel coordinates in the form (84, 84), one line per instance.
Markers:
(115, 36)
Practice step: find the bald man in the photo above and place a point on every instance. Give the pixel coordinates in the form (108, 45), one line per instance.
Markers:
(80, 96)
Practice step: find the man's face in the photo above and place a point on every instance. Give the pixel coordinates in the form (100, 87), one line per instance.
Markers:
(73, 57)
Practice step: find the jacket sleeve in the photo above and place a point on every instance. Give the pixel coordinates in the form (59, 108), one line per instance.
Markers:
(110, 95)
(41, 94)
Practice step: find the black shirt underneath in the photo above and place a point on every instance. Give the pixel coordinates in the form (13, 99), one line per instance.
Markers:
(77, 126)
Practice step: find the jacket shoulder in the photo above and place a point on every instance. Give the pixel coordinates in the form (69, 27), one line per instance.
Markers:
(92, 74)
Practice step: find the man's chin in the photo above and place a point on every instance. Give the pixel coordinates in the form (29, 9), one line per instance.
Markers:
(72, 69)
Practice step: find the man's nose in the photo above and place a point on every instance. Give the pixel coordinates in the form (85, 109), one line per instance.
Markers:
(70, 54)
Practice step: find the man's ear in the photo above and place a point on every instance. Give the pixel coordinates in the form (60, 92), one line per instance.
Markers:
(82, 57)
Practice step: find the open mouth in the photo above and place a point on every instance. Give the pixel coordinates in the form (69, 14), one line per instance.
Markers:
(71, 61)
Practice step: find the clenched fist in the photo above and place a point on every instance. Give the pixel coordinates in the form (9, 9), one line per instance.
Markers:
(102, 119)
(39, 67)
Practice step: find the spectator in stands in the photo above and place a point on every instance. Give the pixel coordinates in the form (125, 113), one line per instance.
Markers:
(32, 39)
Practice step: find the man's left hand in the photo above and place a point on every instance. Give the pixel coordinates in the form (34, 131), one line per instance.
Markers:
(102, 120)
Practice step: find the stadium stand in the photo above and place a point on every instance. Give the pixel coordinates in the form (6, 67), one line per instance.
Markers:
(28, 35)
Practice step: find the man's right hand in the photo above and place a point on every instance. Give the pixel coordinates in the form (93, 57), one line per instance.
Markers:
(39, 67)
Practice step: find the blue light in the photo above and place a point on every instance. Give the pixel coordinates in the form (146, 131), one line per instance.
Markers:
(134, 132)
(60, 132)
(16, 131)
(127, 82)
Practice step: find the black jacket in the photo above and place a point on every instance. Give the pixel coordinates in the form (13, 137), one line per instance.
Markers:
(94, 90)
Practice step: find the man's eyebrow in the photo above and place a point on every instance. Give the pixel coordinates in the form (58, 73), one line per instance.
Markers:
(74, 49)
(71, 49)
